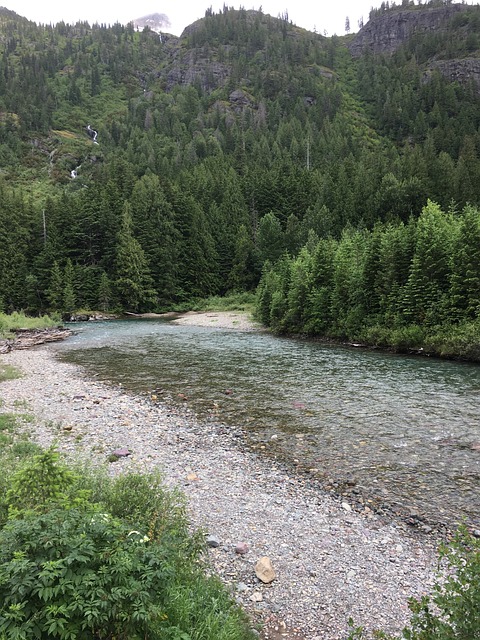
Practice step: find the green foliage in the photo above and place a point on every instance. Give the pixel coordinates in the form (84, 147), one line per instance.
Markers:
(42, 483)
(142, 501)
(97, 557)
(133, 281)
(193, 188)
(411, 287)
(451, 612)
(75, 574)
(244, 301)
(18, 320)
(7, 372)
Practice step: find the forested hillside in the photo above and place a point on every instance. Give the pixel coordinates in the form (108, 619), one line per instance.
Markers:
(139, 171)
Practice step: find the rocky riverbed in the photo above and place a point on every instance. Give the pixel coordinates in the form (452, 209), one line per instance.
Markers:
(330, 563)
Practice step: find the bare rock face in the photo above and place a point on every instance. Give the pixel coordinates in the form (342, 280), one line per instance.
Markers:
(462, 71)
(387, 32)
(196, 67)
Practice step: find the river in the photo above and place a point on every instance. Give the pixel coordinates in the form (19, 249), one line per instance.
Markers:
(391, 432)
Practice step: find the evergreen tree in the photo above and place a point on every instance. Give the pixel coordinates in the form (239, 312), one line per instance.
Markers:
(56, 287)
(465, 278)
(270, 238)
(244, 274)
(133, 282)
(104, 293)
(154, 226)
(68, 293)
(426, 292)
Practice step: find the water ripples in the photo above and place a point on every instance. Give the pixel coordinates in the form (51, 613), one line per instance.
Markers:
(403, 428)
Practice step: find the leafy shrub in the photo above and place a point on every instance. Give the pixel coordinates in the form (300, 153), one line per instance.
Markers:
(456, 341)
(42, 483)
(142, 501)
(86, 556)
(453, 611)
(409, 337)
(77, 574)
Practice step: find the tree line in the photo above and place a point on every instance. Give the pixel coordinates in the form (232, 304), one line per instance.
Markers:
(205, 185)
(407, 285)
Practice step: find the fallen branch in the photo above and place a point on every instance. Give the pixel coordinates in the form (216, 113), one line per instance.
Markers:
(27, 338)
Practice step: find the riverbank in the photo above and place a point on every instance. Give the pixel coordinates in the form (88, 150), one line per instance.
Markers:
(331, 563)
(219, 319)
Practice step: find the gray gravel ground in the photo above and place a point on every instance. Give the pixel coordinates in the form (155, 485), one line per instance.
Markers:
(331, 563)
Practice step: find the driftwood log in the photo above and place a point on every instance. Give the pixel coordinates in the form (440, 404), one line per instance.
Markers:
(26, 338)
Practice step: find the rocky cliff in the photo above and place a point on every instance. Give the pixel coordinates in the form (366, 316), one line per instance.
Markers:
(387, 32)
(463, 71)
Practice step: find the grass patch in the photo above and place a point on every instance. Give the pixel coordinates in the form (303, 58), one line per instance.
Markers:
(8, 422)
(7, 372)
(9, 323)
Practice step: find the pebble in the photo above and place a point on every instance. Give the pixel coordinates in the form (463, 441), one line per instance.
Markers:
(256, 596)
(213, 542)
(313, 540)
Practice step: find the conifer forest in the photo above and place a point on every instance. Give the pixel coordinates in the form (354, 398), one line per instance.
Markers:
(336, 177)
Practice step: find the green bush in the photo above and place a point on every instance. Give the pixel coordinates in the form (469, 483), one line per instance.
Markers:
(18, 320)
(411, 336)
(42, 483)
(86, 556)
(142, 501)
(453, 610)
(77, 574)
(456, 341)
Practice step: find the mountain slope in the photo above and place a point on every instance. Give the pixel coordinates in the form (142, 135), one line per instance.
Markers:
(217, 151)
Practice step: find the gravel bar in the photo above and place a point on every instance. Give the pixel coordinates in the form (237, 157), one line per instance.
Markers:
(331, 563)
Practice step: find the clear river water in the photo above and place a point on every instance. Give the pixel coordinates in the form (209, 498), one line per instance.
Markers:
(390, 430)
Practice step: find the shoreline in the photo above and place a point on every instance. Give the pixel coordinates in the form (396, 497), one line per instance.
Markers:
(331, 562)
(238, 320)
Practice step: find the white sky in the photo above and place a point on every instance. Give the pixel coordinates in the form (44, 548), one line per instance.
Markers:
(322, 15)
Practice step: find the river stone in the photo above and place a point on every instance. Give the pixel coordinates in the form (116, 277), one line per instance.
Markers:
(121, 453)
(264, 570)
(241, 548)
(213, 542)
(256, 596)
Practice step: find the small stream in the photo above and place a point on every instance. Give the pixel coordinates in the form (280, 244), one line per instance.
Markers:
(401, 432)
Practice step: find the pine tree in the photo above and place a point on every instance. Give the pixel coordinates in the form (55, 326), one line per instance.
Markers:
(55, 289)
(133, 281)
(68, 293)
(465, 279)
(426, 292)
(104, 293)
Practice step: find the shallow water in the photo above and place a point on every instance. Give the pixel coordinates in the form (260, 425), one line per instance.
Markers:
(401, 431)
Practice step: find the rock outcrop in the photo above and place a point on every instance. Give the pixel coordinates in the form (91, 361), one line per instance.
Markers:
(389, 31)
(463, 71)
